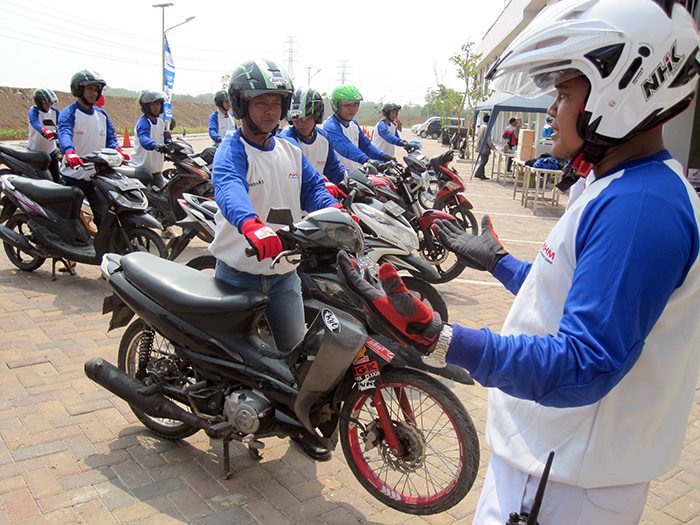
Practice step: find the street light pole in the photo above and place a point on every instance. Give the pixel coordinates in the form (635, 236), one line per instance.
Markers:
(162, 43)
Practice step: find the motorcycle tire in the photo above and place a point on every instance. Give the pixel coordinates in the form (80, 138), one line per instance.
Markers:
(428, 294)
(21, 259)
(141, 240)
(203, 263)
(438, 440)
(161, 353)
(445, 262)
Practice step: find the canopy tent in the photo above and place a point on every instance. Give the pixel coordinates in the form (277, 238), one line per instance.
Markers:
(510, 103)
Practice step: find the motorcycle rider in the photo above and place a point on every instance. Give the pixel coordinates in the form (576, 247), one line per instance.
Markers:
(39, 137)
(149, 141)
(305, 114)
(598, 358)
(82, 129)
(221, 121)
(386, 133)
(349, 141)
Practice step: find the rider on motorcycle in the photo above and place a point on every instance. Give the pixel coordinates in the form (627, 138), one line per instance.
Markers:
(386, 133)
(149, 143)
(221, 121)
(39, 137)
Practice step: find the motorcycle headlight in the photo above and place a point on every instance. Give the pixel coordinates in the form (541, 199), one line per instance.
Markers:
(347, 237)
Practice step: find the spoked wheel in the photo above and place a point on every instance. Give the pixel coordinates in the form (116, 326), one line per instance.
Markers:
(139, 342)
(442, 259)
(140, 239)
(428, 295)
(439, 456)
(19, 258)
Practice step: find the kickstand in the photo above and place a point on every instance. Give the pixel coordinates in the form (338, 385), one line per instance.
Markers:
(226, 473)
(68, 266)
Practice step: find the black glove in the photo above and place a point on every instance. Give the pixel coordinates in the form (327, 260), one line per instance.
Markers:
(409, 320)
(481, 253)
(388, 158)
(161, 148)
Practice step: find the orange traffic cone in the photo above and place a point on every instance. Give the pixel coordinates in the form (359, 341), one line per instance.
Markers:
(127, 141)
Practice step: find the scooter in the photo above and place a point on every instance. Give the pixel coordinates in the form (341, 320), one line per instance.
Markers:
(193, 360)
(48, 223)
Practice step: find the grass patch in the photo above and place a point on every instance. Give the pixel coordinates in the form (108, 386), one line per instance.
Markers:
(13, 134)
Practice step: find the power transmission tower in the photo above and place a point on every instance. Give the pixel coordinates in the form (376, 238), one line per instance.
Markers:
(290, 56)
(343, 71)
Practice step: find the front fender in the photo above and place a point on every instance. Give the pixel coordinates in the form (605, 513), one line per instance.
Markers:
(412, 264)
(134, 220)
(428, 218)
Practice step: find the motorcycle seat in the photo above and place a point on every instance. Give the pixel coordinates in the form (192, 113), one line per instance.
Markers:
(45, 191)
(39, 159)
(141, 174)
(182, 289)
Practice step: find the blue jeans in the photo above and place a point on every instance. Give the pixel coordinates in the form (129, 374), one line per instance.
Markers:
(285, 311)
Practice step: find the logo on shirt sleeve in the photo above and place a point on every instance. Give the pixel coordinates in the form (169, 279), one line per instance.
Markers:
(547, 253)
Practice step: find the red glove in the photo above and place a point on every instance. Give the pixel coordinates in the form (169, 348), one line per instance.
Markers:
(261, 238)
(341, 208)
(124, 154)
(335, 191)
(73, 159)
(399, 311)
(48, 135)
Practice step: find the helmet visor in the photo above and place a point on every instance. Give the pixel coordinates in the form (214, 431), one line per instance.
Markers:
(533, 82)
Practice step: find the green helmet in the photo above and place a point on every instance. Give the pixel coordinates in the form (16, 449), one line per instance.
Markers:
(349, 93)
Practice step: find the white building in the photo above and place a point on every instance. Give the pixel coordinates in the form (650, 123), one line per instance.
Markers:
(681, 135)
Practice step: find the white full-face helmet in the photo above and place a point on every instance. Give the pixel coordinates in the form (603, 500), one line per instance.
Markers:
(640, 57)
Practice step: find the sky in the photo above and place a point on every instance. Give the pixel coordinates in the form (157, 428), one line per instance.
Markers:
(389, 50)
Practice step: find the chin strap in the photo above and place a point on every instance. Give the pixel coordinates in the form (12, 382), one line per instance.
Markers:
(256, 131)
(582, 165)
(82, 99)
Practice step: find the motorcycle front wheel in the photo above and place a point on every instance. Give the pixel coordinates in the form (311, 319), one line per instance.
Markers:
(439, 456)
(141, 342)
(140, 240)
(21, 259)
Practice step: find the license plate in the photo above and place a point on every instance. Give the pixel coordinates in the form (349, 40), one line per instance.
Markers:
(199, 162)
(393, 209)
(127, 184)
(364, 262)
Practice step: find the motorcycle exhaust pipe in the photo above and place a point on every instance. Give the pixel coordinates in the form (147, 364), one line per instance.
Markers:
(18, 241)
(138, 395)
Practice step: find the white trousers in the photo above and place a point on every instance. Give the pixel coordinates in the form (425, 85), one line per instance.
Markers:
(507, 489)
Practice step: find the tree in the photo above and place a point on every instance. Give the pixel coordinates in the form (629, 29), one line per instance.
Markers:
(224, 81)
(466, 61)
(444, 102)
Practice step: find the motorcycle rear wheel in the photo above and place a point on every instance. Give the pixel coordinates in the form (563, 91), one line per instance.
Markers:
(440, 446)
(21, 259)
(161, 355)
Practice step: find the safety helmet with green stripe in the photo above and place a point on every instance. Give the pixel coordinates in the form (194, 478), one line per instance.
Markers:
(344, 93)
(307, 102)
(254, 78)
(43, 95)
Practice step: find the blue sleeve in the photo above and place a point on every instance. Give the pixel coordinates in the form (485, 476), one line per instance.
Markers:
(333, 170)
(33, 116)
(314, 195)
(143, 131)
(632, 252)
(383, 131)
(511, 272)
(341, 143)
(66, 123)
(214, 127)
(370, 149)
(111, 140)
(229, 176)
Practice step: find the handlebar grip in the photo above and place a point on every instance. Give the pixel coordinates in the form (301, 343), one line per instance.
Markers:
(251, 252)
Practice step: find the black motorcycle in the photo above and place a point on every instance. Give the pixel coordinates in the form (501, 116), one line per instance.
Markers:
(45, 219)
(194, 360)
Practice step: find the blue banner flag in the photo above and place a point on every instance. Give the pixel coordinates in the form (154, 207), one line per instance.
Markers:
(168, 81)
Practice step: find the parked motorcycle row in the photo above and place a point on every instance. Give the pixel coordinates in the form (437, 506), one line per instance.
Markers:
(199, 361)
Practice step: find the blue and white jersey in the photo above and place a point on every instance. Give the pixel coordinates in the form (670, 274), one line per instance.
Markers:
(598, 358)
(547, 131)
(350, 143)
(386, 136)
(35, 140)
(248, 181)
(220, 124)
(147, 135)
(84, 131)
(318, 152)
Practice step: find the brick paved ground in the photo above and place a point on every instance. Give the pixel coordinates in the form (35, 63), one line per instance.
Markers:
(73, 453)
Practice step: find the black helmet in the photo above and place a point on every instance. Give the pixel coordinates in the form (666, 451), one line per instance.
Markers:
(307, 102)
(42, 95)
(219, 98)
(254, 78)
(151, 95)
(86, 78)
(386, 109)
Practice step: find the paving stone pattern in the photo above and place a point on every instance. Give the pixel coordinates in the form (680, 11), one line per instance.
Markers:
(71, 452)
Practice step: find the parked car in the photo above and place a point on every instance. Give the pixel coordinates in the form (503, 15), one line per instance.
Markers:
(433, 127)
(421, 129)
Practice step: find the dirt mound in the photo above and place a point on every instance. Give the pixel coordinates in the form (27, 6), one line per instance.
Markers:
(15, 102)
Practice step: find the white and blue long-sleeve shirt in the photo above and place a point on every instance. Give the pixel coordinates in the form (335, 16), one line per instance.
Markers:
(318, 152)
(84, 131)
(386, 136)
(598, 358)
(248, 181)
(220, 124)
(350, 143)
(147, 135)
(35, 140)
